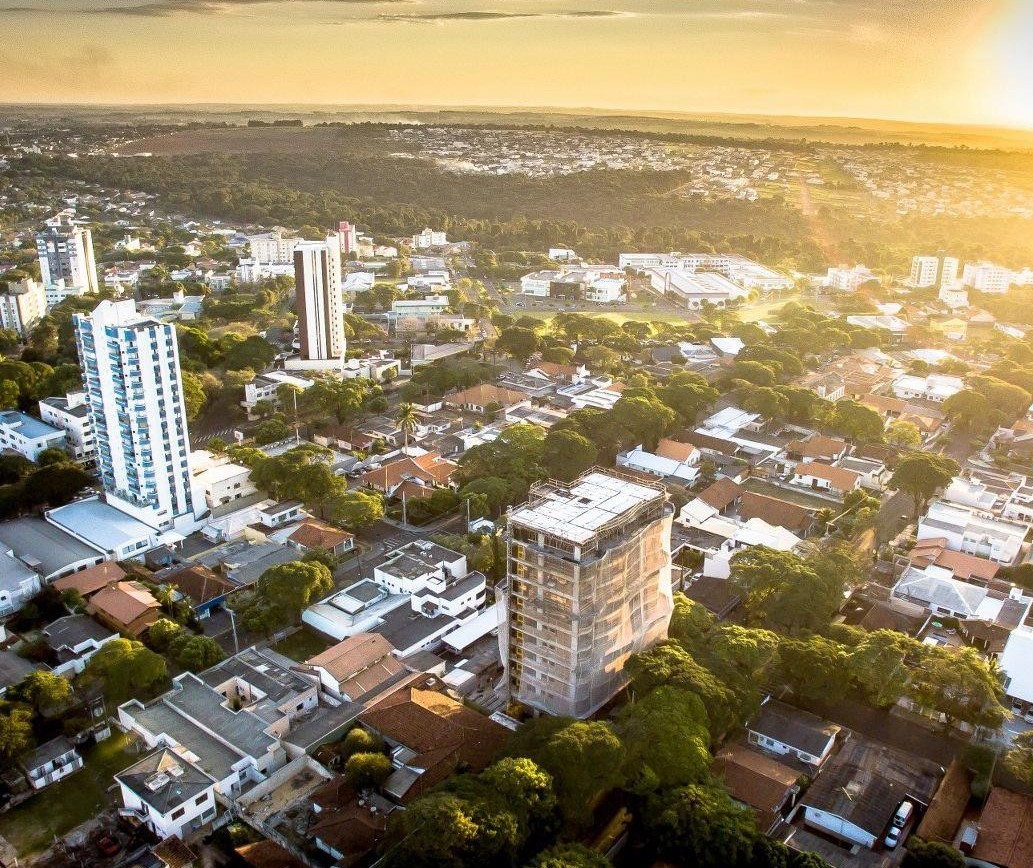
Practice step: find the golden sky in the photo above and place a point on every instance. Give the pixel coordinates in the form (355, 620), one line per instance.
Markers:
(940, 60)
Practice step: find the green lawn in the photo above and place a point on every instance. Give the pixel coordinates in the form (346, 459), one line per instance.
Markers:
(301, 645)
(55, 811)
(791, 495)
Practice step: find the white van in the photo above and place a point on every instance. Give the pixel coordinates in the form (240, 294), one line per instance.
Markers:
(900, 820)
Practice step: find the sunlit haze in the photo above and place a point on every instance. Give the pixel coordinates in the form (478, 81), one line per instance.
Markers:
(929, 60)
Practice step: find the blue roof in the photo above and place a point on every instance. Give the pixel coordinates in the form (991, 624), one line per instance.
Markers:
(26, 425)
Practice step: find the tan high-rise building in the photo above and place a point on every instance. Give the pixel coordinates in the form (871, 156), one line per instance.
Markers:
(589, 585)
(317, 278)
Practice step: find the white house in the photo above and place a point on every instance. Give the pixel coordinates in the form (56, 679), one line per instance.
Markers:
(787, 731)
(168, 794)
(670, 459)
(18, 583)
(843, 278)
(825, 477)
(27, 435)
(967, 530)
(75, 639)
(50, 762)
(429, 305)
(221, 480)
(71, 414)
(933, 387)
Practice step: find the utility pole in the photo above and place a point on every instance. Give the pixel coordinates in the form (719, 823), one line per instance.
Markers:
(233, 626)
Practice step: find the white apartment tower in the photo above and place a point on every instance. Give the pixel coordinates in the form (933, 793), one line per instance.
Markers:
(317, 278)
(22, 305)
(273, 248)
(66, 260)
(134, 390)
(928, 271)
(987, 277)
(589, 585)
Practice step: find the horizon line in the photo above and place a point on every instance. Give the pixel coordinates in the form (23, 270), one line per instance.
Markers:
(587, 111)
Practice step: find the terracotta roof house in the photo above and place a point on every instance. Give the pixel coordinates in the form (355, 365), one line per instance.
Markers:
(92, 579)
(825, 477)
(204, 589)
(776, 512)
(346, 828)
(817, 447)
(429, 471)
(759, 782)
(721, 494)
(478, 398)
(357, 666)
(314, 534)
(127, 607)
(430, 734)
(1006, 830)
(963, 566)
(667, 448)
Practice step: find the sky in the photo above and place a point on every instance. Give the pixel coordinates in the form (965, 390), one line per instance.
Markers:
(955, 61)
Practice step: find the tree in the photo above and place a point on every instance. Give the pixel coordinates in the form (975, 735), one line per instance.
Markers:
(567, 454)
(570, 856)
(585, 758)
(55, 484)
(272, 431)
(125, 668)
(342, 399)
(195, 653)
(15, 732)
(783, 591)
(878, 666)
(521, 343)
(921, 474)
(367, 770)
(901, 433)
(161, 633)
(253, 352)
(515, 455)
(641, 420)
(813, 668)
(1019, 758)
(700, 826)
(295, 585)
(967, 409)
(9, 395)
(958, 685)
(45, 691)
(527, 790)
(194, 396)
(931, 854)
(357, 508)
(558, 355)
(493, 491)
(666, 736)
(855, 421)
(407, 420)
(9, 341)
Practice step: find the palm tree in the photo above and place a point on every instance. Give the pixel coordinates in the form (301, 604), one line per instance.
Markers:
(407, 421)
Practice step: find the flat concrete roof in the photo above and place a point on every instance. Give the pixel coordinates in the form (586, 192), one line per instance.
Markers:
(55, 549)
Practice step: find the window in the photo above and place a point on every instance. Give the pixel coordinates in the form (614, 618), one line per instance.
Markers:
(201, 799)
(179, 812)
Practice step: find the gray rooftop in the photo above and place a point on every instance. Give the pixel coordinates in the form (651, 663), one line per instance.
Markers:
(403, 627)
(165, 780)
(73, 630)
(13, 669)
(47, 752)
(262, 670)
(213, 756)
(13, 573)
(27, 426)
(35, 539)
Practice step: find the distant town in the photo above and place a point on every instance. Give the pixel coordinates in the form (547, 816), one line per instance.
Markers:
(323, 546)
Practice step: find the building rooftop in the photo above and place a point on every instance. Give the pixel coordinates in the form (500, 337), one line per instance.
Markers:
(165, 780)
(26, 425)
(35, 540)
(1006, 830)
(73, 630)
(92, 579)
(100, 524)
(581, 510)
(799, 729)
(47, 752)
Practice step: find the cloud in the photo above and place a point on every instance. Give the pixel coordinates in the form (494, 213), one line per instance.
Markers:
(496, 15)
(166, 8)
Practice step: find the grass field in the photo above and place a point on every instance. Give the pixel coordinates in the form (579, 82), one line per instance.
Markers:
(801, 497)
(301, 645)
(766, 309)
(33, 825)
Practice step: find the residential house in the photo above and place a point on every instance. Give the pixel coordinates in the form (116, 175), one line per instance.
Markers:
(670, 459)
(967, 530)
(347, 826)
(1005, 830)
(73, 640)
(759, 782)
(314, 534)
(825, 477)
(71, 414)
(127, 607)
(789, 732)
(815, 448)
(934, 551)
(27, 435)
(858, 792)
(356, 666)
(50, 762)
(932, 387)
(203, 589)
(87, 582)
(722, 494)
(18, 583)
(415, 476)
(429, 735)
(830, 386)
(485, 396)
(776, 512)
(168, 794)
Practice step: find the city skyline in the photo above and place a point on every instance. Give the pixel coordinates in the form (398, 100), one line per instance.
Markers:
(934, 61)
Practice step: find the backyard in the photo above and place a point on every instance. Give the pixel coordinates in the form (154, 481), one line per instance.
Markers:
(301, 646)
(33, 825)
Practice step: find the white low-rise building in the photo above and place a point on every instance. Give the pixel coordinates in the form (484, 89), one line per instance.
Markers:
(266, 388)
(221, 480)
(71, 414)
(933, 387)
(429, 238)
(987, 277)
(170, 795)
(696, 289)
(968, 530)
(27, 435)
(670, 459)
(430, 305)
(843, 278)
